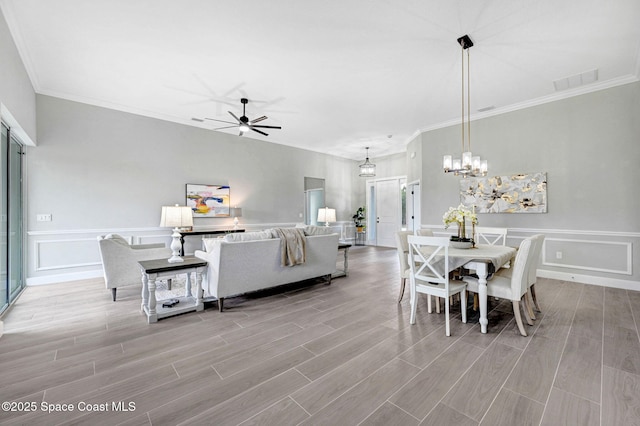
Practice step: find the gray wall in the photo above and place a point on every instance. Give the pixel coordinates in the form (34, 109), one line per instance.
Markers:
(97, 170)
(589, 145)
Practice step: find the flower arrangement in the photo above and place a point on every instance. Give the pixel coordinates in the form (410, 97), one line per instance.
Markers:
(459, 216)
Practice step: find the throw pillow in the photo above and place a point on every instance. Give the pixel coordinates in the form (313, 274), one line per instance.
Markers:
(247, 236)
(317, 230)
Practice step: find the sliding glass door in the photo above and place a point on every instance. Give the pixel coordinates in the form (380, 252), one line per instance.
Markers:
(4, 224)
(11, 219)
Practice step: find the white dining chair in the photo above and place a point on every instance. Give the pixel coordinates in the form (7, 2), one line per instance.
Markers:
(402, 247)
(533, 269)
(511, 284)
(429, 274)
(490, 235)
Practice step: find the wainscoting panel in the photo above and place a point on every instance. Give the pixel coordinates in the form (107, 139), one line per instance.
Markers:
(68, 255)
(589, 255)
(55, 254)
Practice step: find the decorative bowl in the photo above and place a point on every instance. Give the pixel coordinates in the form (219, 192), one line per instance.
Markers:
(461, 244)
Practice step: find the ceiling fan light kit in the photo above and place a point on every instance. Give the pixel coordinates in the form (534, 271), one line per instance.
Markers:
(243, 123)
(468, 165)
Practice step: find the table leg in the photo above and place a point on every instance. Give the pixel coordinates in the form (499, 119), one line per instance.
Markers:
(152, 315)
(199, 292)
(145, 292)
(346, 262)
(187, 287)
(481, 270)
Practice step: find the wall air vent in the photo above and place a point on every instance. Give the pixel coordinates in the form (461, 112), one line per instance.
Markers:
(576, 80)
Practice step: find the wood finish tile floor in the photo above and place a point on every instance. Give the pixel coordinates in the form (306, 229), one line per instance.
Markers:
(339, 354)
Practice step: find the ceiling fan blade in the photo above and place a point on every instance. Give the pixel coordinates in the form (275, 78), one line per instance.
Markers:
(268, 127)
(225, 127)
(264, 117)
(259, 131)
(222, 121)
(234, 116)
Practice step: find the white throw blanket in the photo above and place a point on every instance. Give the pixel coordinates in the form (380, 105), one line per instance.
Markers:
(292, 245)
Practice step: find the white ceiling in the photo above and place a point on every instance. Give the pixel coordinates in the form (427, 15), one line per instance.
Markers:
(337, 75)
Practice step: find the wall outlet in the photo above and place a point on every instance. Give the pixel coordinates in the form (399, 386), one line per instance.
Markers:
(558, 255)
(43, 217)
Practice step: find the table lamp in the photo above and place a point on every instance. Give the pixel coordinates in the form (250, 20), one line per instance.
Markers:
(235, 212)
(176, 217)
(326, 215)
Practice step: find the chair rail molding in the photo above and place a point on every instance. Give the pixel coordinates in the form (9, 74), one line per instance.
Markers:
(55, 256)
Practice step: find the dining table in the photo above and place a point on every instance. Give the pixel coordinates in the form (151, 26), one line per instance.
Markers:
(478, 258)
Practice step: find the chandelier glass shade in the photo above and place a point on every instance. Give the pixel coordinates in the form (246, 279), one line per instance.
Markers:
(467, 164)
(367, 169)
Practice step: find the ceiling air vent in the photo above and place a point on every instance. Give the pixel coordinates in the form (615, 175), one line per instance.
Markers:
(576, 80)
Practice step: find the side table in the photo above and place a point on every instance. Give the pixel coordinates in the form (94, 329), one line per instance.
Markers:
(344, 272)
(361, 237)
(154, 270)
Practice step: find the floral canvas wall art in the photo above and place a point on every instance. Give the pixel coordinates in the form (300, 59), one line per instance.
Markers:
(521, 193)
(208, 200)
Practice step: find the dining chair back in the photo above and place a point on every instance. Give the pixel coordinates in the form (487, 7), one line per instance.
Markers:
(538, 240)
(402, 247)
(424, 232)
(491, 236)
(511, 284)
(429, 274)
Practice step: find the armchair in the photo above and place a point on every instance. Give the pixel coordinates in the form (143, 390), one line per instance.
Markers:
(120, 260)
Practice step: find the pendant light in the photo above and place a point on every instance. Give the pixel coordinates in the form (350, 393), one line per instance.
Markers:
(467, 165)
(367, 169)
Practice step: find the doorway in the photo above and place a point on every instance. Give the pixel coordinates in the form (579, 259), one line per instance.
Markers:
(11, 214)
(413, 206)
(384, 206)
(314, 199)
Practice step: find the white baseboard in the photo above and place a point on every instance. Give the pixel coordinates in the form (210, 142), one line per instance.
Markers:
(60, 278)
(590, 279)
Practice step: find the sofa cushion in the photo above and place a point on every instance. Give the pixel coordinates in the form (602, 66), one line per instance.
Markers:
(248, 236)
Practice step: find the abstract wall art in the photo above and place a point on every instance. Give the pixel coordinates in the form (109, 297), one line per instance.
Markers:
(521, 193)
(208, 200)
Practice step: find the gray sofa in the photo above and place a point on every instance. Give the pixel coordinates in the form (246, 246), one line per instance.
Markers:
(245, 262)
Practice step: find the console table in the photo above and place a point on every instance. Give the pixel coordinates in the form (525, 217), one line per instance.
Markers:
(153, 270)
(209, 232)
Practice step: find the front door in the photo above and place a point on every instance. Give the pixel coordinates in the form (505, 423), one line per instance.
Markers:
(387, 211)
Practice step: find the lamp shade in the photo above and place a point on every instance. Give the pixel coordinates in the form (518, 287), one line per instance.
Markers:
(235, 212)
(176, 217)
(326, 215)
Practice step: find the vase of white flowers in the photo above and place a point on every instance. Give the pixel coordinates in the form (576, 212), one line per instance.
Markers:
(459, 215)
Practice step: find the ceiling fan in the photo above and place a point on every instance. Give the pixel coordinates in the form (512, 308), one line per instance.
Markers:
(243, 123)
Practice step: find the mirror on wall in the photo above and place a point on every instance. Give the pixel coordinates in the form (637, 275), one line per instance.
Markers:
(313, 199)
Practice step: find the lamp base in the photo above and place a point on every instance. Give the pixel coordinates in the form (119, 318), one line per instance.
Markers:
(175, 247)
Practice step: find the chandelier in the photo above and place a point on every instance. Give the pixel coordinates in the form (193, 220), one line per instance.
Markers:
(367, 169)
(468, 165)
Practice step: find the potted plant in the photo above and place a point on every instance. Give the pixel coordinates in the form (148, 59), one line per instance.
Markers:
(359, 219)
